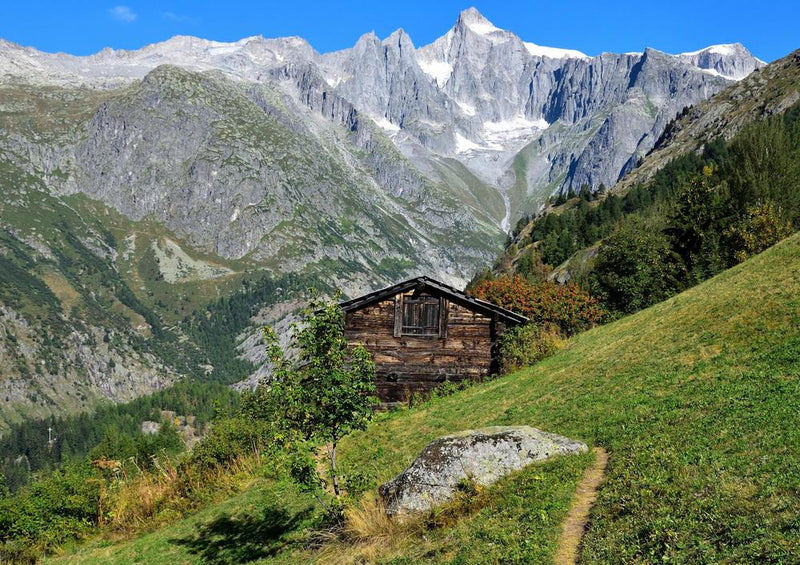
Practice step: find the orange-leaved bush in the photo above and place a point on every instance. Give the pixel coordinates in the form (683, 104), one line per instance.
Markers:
(567, 307)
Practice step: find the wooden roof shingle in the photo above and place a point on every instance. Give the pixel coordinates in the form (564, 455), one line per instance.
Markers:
(427, 284)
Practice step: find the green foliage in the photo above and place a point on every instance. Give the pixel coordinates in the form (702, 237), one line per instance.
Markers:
(531, 266)
(636, 267)
(760, 228)
(115, 427)
(216, 328)
(525, 345)
(65, 505)
(696, 224)
(743, 198)
(127, 482)
(325, 395)
(561, 235)
(230, 438)
(140, 450)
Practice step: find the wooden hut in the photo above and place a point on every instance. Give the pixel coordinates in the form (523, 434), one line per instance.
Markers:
(422, 332)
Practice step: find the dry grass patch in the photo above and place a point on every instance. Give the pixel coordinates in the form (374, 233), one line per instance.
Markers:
(159, 496)
(367, 535)
(64, 291)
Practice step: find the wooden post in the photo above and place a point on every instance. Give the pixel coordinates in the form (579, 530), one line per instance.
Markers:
(398, 315)
(444, 308)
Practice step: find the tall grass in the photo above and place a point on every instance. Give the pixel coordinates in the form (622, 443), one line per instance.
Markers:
(170, 491)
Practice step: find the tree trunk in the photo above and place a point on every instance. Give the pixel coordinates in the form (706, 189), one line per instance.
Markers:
(334, 477)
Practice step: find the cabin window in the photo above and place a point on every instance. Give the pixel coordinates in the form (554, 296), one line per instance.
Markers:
(421, 316)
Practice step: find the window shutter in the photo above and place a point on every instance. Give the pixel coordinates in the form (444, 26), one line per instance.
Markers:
(444, 307)
(398, 315)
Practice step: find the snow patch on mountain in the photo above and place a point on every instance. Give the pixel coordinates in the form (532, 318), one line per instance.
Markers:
(385, 124)
(483, 28)
(464, 145)
(731, 61)
(500, 134)
(468, 109)
(440, 71)
(723, 49)
(553, 52)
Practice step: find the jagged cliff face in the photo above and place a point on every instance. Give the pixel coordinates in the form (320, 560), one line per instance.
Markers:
(231, 166)
(523, 120)
(527, 120)
(766, 92)
(772, 90)
(358, 168)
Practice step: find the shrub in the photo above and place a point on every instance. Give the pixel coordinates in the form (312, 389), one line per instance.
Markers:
(61, 506)
(230, 439)
(567, 307)
(525, 345)
(761, 227)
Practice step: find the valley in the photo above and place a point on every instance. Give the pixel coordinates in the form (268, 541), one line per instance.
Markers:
(263, 156)
(196, 236)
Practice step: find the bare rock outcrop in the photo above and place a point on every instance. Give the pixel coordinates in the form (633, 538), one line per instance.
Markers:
(483, 456)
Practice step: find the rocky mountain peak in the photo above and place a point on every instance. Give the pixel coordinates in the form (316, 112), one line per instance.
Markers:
(471, 16)
(472, 23)
(731, 61)
(400, 39)
(368, 41)
(479, 94)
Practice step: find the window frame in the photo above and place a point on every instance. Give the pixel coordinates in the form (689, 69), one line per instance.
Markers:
(400, 329)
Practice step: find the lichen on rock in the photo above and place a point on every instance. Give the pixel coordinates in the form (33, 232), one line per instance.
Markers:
(483, 456)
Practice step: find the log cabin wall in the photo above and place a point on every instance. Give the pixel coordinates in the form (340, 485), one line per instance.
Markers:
(405, 364)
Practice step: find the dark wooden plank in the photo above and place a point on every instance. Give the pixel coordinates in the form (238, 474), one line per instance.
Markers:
(398, 315)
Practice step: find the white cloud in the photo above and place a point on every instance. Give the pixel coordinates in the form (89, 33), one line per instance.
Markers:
(122, 14)
(179, 18)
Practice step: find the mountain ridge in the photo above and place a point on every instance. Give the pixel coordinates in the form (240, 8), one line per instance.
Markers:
(352, 169)
(434, 103)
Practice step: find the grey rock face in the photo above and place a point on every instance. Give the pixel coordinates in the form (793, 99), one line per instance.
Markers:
(484, 456)
(731, 61)
(232, 167)
(483, 96)
(525, 120)
(85, 368)
(763, 93)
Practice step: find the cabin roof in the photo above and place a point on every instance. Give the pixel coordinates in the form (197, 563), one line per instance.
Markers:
(435, 287)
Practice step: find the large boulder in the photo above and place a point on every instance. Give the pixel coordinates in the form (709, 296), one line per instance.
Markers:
(482, 456)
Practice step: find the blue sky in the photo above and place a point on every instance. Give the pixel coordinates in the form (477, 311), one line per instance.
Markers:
(770, 29)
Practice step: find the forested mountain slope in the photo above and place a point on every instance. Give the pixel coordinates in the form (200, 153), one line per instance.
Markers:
(723, 172)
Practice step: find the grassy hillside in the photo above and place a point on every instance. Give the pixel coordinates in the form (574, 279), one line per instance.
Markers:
(697, 401)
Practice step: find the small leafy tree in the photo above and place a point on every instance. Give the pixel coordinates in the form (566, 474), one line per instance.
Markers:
(325, 394)
(636, 267)
(761, 227)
